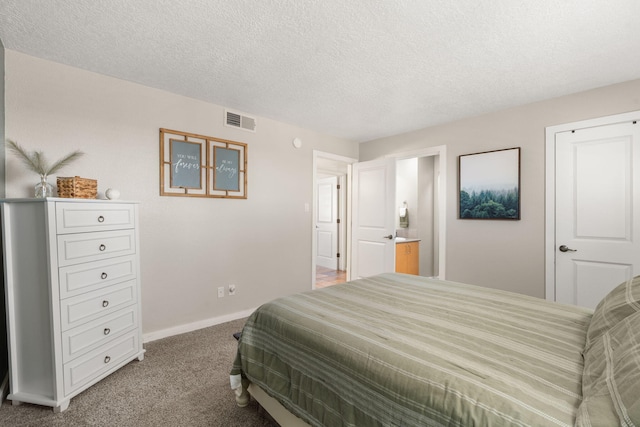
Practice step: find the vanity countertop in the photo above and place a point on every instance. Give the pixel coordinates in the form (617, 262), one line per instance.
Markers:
(405, 240)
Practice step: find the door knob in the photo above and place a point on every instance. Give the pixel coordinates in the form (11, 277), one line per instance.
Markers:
(390, 236)
(564, 248)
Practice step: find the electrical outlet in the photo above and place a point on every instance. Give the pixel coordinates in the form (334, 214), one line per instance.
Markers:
(232, 289)
(221, 292)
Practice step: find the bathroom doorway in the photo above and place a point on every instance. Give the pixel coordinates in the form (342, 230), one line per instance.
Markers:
(375, 247)
(417, 221)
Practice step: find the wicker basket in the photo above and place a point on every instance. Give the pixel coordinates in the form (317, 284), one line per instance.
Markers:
(77, 188)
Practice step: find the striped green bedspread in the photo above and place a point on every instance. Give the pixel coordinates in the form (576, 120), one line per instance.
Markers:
(400, 350)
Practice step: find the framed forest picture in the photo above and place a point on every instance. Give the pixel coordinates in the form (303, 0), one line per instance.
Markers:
(489, 185)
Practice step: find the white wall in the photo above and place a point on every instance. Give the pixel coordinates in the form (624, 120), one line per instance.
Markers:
(2, 154)
(505, 254)
(189, 246)
(4, 362)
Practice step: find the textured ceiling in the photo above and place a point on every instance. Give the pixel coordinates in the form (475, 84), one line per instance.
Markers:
(357, 69)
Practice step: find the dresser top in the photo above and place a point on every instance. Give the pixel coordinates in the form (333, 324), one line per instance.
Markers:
(62, 199)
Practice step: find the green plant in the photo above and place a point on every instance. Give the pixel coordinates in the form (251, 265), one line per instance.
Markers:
(36, 161)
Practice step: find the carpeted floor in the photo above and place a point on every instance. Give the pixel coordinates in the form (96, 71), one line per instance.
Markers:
(183, 381)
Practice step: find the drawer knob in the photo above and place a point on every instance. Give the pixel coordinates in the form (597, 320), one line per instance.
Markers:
(103, 276)
(105, 303)
(102, 248)
(107, 331)
(107, 359)
(100, 218)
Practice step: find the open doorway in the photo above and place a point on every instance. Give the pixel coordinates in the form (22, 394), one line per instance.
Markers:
(431, 162)
(376, 233)
(417, 200)
(331, 181)
(421, 182)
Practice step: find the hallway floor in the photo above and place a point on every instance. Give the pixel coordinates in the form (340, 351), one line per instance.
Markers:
(327, 277)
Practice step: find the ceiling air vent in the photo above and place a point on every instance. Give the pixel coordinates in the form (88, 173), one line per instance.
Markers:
(240, 121)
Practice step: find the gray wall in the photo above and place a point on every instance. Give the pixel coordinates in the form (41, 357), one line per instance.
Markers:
(505, 254)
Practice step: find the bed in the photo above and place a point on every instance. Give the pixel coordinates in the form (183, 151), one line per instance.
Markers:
(403, 350)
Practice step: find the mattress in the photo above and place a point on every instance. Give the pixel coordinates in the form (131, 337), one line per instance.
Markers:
(403, 350)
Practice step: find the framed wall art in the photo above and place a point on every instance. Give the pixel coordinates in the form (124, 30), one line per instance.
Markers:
(186, 162)
(489, 185)
(194, 165)
(226, 161)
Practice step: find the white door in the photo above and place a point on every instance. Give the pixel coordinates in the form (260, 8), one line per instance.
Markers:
(373, 209)
(597, 238)
(327, 223)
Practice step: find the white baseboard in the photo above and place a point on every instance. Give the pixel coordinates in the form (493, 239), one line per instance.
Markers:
(181, 329)
(4, 387)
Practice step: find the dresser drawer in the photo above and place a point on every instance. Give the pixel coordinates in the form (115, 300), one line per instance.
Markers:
(80, 278)
(85, 247)
(87, 368)
(83, 308)
(90, 336)
(84, 217)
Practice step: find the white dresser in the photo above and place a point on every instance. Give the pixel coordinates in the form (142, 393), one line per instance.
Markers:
(72, 282)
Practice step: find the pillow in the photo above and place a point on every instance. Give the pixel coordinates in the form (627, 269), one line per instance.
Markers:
(622, 301)
(611, 378)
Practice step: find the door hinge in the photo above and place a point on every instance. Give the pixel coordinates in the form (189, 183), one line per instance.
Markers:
(338, 220)
(338, 255)
(338, 186)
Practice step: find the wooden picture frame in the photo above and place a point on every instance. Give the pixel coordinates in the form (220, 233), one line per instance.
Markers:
(193, 165)
(489, 185)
